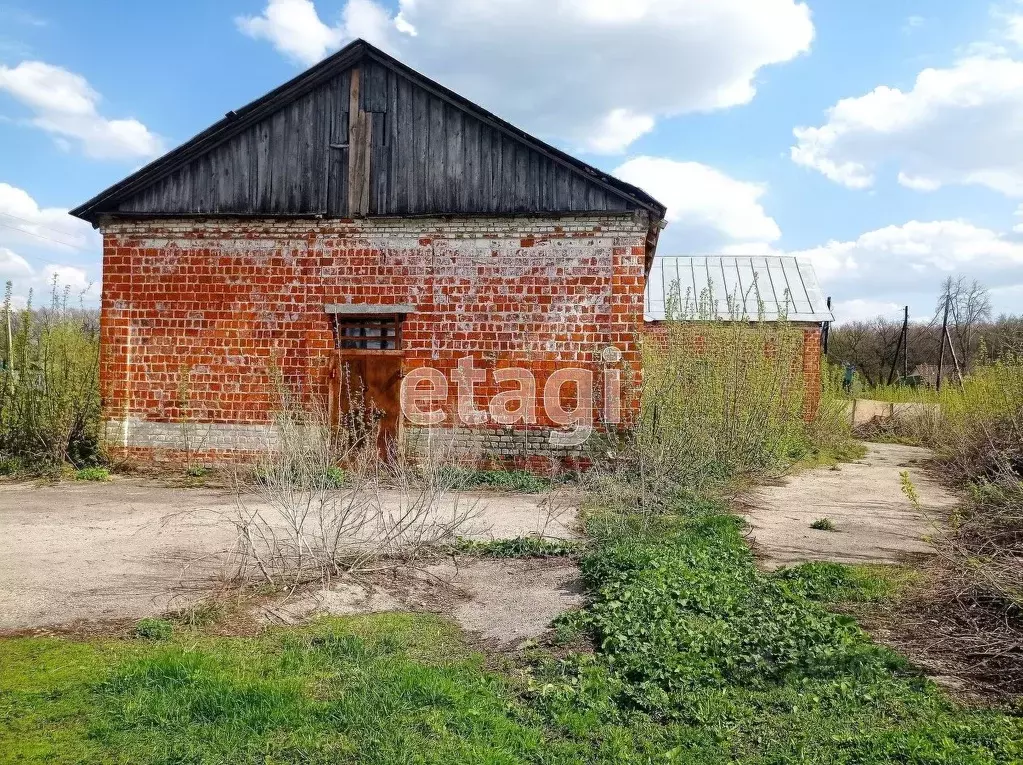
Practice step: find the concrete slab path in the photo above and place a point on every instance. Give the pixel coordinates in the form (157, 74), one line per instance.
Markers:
(875, 521)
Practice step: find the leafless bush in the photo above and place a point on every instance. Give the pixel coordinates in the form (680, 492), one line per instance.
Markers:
(322, 504)
(975, 614)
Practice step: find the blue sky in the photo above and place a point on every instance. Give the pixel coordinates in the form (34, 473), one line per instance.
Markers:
(887, 194)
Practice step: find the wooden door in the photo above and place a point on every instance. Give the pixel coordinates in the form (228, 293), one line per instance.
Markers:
(365, 395)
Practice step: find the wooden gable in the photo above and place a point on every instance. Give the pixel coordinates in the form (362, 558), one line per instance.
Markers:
(362, 135)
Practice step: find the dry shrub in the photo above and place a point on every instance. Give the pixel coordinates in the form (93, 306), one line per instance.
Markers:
(976, 613)
(323, 504)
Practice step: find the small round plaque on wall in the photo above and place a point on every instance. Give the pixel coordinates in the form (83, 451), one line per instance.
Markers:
(610, 355)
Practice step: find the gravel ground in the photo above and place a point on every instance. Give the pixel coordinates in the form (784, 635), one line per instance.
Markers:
(875, 522)
(129, 548)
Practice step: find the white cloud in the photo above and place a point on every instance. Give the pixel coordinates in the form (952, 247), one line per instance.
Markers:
(618, 130)
(12, 266)
(65, 105)
(294, 28)
(37, 283)
(956, 125)
(906, 264)
(37, 242)
(708, 211)
(593, 73)
(912, 24)
(859, 309)
(22, 220)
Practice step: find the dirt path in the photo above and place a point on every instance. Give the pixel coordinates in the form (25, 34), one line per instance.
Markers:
(875, 522)
(133, 547)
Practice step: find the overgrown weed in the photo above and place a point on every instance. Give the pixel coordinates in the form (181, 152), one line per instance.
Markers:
(49, 391)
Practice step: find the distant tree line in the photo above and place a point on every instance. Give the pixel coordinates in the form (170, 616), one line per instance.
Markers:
(975, 334)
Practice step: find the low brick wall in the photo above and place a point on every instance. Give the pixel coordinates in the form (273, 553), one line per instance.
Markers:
(808, 366)
(861, 411)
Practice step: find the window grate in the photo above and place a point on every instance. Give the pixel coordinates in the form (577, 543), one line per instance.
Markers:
(379, 333)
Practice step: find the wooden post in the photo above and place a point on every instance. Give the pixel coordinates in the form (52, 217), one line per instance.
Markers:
(10, 341)
(944, 334)
(826, 332)
(955, 359)
(360, 131)
(899, 347)
(905, 345)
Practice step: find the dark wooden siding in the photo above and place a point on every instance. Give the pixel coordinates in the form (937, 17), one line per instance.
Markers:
(428, 156)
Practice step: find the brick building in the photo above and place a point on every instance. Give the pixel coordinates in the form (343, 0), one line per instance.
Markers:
(746, 289)
(360, 215)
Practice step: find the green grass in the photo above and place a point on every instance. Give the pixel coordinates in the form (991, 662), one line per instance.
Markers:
(381, 689)
(154, 629)
(835, 583)
(504, 480)
(92, 474)
(740, 666)
(519, 547)
(700, 659)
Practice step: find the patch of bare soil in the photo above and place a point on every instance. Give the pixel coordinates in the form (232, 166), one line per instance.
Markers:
(874, 521)
(503, 602)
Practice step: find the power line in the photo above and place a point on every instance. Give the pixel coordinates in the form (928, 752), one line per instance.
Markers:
(35, 224)
(43, 261)
(39, 236)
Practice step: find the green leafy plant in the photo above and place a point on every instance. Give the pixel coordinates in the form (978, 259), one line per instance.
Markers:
(823, 524)
(335, 477)
(519, 547)
(460, 477)
(908, 488)
(49, 384)
(92, 474)
(154, 629)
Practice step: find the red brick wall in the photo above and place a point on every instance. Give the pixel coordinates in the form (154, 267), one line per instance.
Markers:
(810, 362)
(226, 301)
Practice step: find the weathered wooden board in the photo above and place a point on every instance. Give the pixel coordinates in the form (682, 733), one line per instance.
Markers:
(371, 141)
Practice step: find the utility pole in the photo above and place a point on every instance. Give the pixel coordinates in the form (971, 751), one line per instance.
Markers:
(901, 348)
(10, 339)
(826, 333)
(944, 335)
(905, 345)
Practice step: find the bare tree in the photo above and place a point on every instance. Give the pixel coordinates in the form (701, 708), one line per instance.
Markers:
(969, 307)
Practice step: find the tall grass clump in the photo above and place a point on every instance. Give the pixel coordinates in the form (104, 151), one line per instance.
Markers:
(724, 402)
(49, 384)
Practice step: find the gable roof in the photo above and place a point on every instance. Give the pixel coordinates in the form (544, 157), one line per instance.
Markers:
(748, 288)
(116, 199)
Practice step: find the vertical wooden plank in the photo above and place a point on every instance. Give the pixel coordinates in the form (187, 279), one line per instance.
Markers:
(469, 189)
(392, 143)
(262, 163)
(521, 176)
(533, 182)
(378, 163)
(454, 161)
(437, 180)
(421, 129)
(485, 171)
(359, 134)
(499, 187)
(402, 148)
